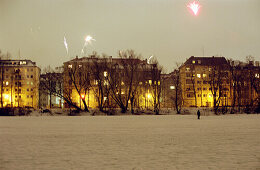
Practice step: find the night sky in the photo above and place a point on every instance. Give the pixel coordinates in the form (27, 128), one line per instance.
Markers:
(163, 28)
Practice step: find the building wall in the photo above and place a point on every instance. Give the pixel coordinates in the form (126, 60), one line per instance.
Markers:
(196, 76)
(144, 99)
(50, 83)
(20, 83)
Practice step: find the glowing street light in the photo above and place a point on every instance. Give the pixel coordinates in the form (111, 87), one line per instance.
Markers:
(82, 96)
(194, 7)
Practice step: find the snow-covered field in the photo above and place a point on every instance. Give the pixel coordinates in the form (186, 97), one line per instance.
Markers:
(130, 142)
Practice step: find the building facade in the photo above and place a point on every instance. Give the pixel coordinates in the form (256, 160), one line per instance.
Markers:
(245, 83)
(206, 82)
(19, 83)
(51, 86)
(111, 82)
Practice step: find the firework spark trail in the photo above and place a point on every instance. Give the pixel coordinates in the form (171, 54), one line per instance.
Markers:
(66, 45)
(148, 61)
(88, 40)
(194, 7)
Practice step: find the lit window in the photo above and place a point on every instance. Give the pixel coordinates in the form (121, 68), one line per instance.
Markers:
(22, 62)
(6, 83)
(210, 69)
(105, 74)
(257, 75)
(172, 87)
(105, 98)
(122, 92)
(70, 66)
(199, 61)
(105, 82)
(159, 83)
(122, 83)
(80, 66)
(31, 83)
(204, 75)
(150, 82)
(28, 82)
(140, 82)
(6, 96)
(187, 69)
(210, 95)
(193, 61)
(198, 75)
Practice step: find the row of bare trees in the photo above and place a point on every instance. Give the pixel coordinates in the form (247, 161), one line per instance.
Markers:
(117, 82)
(245, 85)
(239, 83)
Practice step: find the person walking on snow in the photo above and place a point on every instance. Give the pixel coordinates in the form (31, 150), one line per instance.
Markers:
(198, 113)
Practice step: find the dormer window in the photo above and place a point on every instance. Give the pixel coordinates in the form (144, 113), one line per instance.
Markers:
(199, 61)
(70, 66)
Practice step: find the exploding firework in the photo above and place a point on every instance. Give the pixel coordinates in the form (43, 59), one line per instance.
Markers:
(66, 45)
(194, 7)
(88, 40)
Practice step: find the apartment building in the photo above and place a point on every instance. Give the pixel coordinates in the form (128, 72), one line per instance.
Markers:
(107, 80)
(51, 87)
(245, 83)
(206, 82)
(19, 83)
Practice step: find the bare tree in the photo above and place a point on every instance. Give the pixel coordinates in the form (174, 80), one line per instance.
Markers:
(52, 84)
(193, 81)
(177, 98)
(217, 76)
(79, 74)
(156, 70)
(100, 85)
(122, 77)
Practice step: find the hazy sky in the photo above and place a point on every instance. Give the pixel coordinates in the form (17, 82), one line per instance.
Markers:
(163, 28)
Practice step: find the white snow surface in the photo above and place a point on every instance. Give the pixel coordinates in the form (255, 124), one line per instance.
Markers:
(130, 142)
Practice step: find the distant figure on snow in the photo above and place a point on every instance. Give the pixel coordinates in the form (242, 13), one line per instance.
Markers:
(198, 113)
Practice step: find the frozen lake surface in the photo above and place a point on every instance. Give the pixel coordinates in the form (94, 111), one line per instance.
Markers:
(130, 142)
